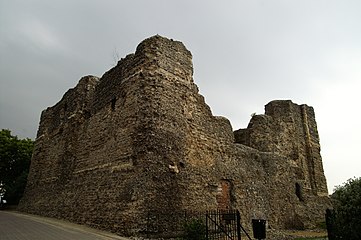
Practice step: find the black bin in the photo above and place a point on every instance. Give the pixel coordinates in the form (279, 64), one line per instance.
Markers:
(259, 228)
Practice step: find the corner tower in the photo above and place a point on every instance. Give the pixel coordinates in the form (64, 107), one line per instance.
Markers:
(117, 147)
(290, 130)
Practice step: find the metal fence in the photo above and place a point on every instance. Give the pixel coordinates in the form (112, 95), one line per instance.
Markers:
(218, 224)
(223, 225)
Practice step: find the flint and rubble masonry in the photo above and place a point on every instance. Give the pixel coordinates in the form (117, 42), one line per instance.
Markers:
(141, 138)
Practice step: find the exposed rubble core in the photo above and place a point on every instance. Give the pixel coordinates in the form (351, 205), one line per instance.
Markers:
(141, 138)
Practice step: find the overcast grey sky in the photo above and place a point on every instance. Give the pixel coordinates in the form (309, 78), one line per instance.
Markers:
(245, 54)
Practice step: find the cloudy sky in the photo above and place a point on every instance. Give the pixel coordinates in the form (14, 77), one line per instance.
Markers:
(245, 54)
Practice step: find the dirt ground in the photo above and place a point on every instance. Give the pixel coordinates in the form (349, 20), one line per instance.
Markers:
(290, 235)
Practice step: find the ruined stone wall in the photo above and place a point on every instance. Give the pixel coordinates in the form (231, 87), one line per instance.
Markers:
(290, 130)
(142, 139)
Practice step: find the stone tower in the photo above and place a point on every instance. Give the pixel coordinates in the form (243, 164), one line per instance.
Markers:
(141, 138)
(290, 130)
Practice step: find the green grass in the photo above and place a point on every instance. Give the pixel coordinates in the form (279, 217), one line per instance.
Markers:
(311, 238)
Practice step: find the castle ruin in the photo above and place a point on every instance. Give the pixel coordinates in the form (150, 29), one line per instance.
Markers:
(141, 138)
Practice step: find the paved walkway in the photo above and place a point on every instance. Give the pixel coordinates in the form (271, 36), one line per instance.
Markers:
(18, 226)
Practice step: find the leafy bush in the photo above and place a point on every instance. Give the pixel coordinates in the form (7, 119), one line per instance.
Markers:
(344, 221)
(321, 225)
(194, 230)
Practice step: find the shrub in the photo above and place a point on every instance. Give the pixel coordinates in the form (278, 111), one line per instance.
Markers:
(344, 221)
(194, 230)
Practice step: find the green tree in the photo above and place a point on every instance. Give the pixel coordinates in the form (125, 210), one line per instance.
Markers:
(15, 156)
(345, 220)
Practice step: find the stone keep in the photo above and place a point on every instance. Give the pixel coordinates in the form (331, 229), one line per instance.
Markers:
(141, 138)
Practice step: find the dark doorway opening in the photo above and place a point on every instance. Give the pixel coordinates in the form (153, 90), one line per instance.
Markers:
(299, 192)
(112, 103)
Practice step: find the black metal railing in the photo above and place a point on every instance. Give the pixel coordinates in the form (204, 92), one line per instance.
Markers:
(223, 225)
(218, 224)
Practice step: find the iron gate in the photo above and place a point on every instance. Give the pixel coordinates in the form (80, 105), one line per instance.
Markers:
(223, 225)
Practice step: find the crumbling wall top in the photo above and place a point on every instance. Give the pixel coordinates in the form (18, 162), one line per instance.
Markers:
(168, 54)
